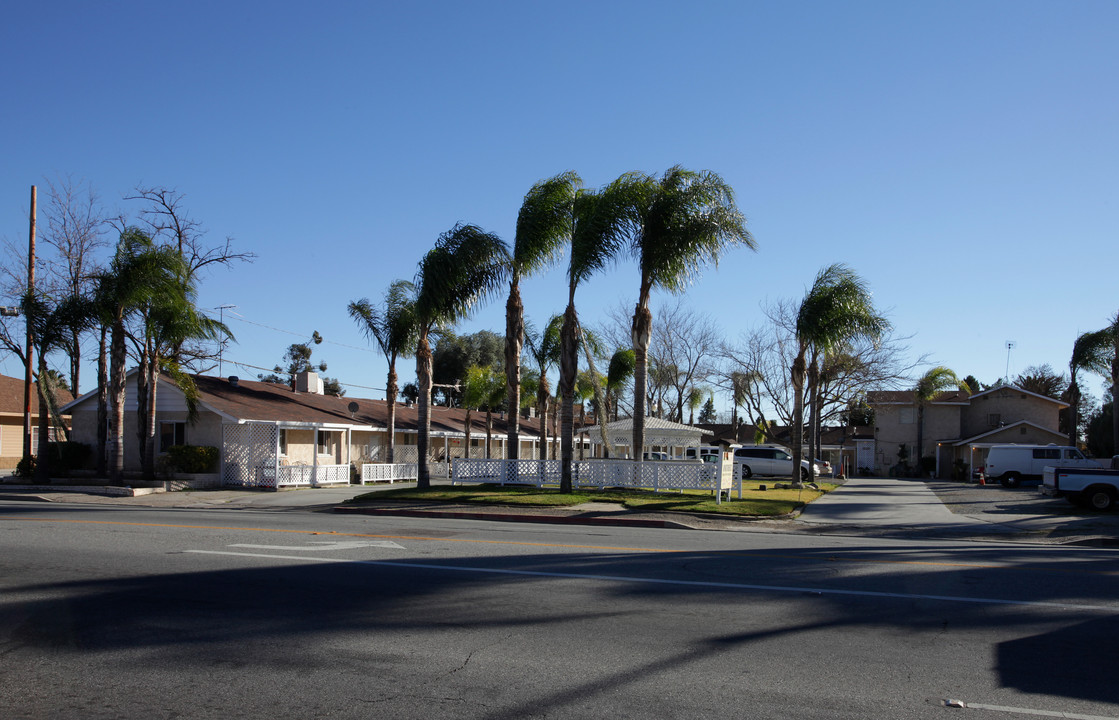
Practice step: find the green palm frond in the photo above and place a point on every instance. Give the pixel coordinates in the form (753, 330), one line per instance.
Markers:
(392, 324)
(466, 266)
(687, 219)
(602, 221)
(838, 308)
(1092, 351)
(936, 381)
(621, 368)
(544, 223)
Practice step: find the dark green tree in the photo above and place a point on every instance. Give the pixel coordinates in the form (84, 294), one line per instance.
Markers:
(707, 414)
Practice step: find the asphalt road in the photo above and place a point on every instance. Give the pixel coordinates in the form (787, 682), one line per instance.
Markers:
(125, 612)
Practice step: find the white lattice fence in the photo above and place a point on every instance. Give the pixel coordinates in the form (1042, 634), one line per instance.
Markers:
(250, 455)
(650, 475)
(391, 472)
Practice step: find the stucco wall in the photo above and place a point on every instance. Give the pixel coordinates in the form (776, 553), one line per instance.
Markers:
(942, 422)
(1012, 406)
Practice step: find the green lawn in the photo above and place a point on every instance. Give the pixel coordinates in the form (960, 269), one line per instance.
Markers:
(754, 501)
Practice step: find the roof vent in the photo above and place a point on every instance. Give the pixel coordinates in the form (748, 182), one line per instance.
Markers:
(234, 381)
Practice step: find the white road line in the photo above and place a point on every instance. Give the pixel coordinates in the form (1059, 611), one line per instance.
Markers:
(316, 546)
(683, 583)
(1044, 713)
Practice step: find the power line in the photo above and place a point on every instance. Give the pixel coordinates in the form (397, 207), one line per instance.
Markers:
(237, 316)
(273, 370)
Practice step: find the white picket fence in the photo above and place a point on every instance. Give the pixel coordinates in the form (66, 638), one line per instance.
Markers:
(656, 476)
(392, 472)
(301, 475)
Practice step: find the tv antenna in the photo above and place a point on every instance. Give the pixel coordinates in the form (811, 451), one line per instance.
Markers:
(1010, 345)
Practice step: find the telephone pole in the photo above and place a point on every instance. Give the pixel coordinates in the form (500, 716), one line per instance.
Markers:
(30, 347)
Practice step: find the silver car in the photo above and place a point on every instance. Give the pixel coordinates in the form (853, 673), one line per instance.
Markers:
(766, 460)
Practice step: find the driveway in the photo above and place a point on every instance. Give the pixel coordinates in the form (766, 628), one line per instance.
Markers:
(888, 506)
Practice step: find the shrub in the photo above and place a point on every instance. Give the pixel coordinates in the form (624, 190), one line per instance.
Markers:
(193, 458)
(68, 456)
(25, 468)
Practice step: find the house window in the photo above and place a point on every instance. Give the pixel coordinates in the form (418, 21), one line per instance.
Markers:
(994, 419)
(327, 442)
(171, 433)
(908, 415)
(283, 438)
(52, 436)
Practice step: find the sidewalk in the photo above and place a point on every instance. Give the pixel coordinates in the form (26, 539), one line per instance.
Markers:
(873, 507)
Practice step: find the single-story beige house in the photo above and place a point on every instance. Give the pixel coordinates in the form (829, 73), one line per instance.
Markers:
(11, 420)
(267, 431)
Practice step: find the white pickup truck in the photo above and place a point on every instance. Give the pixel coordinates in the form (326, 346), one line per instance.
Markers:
(1096, 489)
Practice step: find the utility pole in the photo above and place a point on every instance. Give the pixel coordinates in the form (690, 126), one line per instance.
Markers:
(27, 322)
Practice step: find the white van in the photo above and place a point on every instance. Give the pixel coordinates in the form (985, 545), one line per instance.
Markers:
(1012, 464)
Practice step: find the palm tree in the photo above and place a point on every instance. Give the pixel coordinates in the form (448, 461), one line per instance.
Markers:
(482, 387)
(680, 222)
(544, 349)
(696, 396)
(393, 327)
(51, 328)
(934, 382)
(139, 273)
(597, 236)
(837, 309)
(1089, 352)
(543, 229)
(618, 374)
(170, 320)
(466, 266)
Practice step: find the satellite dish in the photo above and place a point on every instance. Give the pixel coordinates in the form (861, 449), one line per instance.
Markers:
(352, 407)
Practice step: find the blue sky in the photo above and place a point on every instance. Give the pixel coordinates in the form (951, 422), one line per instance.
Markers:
(961, 156)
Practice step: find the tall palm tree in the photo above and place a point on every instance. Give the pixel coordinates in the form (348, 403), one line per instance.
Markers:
(466, 266)
(837, 309)
(393, 326)
(598, 234)
(679, 222)
(934, 382)
(1089, 352)
(544, 349)
(139, 273)
(543, 229)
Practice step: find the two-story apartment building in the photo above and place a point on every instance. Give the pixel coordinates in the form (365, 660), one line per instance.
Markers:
(960, 428)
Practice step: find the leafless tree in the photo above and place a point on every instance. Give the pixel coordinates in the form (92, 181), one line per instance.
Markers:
(683, 348)
(759, 365)
(165, 217)
(70, 234)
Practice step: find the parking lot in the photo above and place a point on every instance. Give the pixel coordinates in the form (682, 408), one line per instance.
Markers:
(1027, 509)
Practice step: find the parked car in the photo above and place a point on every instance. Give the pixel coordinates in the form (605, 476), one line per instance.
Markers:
(1012, 465)
(655, 456)
(768, 460)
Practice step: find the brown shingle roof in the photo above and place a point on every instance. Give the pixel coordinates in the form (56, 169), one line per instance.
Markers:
(269, 402)
(11, 396)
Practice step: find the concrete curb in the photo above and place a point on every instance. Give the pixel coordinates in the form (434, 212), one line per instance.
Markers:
(607, 520)
(16, 492)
